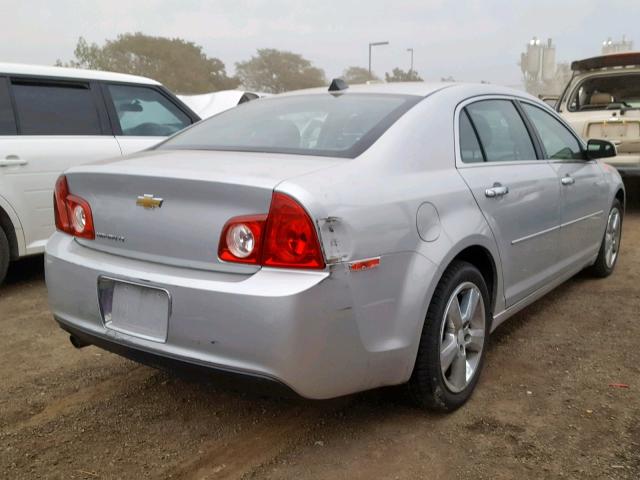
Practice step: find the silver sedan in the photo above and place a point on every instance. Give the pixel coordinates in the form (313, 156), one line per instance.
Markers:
(337, 240)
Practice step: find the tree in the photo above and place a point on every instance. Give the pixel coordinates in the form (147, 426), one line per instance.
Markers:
(275, 71)
(399, 75)
(355, 75)
(180, 65)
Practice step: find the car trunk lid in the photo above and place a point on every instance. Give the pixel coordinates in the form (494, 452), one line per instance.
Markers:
(170, 207)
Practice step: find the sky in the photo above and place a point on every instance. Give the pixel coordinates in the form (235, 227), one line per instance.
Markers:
(471, 40)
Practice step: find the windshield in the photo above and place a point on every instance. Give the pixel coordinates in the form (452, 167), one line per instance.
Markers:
(606, 93)
(327, 125)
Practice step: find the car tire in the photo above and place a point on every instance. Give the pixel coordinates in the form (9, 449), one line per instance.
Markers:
(444, 334)
(5, 254)
(610, 246)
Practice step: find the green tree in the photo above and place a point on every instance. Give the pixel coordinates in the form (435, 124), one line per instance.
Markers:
(180, 65)
(399, 75)
(355, 75)
(275, 71)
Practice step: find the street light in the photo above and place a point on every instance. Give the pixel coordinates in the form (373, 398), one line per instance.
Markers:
(374, 44)
(411, 50)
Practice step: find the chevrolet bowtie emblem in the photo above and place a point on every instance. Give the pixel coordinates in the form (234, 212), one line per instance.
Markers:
(149, 201)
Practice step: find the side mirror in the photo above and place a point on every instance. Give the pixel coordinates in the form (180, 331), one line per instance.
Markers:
(600, 149)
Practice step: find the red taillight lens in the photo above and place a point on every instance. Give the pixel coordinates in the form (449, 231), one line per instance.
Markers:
(60, 204)
(241, 239)
(284, 238)
(290, 240)
(72, 213)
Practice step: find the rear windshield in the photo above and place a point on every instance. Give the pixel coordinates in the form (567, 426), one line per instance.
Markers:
(342, 125)
(621, 91)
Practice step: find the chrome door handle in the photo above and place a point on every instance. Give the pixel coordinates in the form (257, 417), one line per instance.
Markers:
(496, 191)
(11, 160)
(568, 180)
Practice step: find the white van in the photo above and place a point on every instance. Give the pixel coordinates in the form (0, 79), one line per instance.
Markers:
(52, 118)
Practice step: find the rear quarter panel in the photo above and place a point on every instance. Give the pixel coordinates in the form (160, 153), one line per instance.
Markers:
(375, 199)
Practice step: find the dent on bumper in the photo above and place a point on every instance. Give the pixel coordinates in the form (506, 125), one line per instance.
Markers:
(297, 327)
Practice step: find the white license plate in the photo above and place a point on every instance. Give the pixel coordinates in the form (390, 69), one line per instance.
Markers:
(138, 310)
(617, 130)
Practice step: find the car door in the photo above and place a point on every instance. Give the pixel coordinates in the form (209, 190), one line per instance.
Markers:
(142, 115)
(59, 124)
(517, 192)
(7, 128)
(583, 187)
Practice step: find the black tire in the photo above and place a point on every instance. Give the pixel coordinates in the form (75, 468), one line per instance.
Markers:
(427, 386)
(601, 268)
(5, 255)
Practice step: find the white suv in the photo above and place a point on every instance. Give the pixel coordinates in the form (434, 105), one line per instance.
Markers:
(602, 101)
(52, 118)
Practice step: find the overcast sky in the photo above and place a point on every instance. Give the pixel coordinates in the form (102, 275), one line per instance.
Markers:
(471, 40)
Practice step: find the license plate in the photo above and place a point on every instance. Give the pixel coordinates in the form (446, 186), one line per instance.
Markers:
(135, 309)
(617, 129)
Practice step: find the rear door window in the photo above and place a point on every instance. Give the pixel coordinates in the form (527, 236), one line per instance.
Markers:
(502, 131)
(7, 120)
(470, 150)
(48, 108)
(144, 111)
(558, 141)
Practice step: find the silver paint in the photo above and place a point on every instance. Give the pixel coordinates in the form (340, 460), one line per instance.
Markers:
(331, 332)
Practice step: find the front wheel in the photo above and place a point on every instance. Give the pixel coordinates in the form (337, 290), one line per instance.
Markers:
(454, 340)
(610, 246)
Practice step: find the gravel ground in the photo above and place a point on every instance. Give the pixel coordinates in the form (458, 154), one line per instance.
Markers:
(544, 408)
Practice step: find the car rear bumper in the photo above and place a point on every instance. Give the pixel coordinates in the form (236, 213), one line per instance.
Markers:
(298, 328)
(233, 379)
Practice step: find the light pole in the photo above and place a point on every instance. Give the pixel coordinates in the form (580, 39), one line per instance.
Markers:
(411, 50)
(374, 44)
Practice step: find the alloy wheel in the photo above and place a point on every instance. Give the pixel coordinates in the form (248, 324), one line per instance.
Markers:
(612, 237)
(462, 336)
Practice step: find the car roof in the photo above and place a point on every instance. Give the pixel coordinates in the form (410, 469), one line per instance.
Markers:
(72, 73)
(625, 59)
(421, 89)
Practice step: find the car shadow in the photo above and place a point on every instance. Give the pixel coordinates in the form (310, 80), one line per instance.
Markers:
(25, 270)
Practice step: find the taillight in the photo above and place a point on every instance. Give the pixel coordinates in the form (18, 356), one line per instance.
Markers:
(290, 240)
(285, 238)
(241, 239)
(72, 213)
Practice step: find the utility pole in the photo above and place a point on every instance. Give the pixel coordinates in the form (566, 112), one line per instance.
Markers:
(410, 69)
(374, 44)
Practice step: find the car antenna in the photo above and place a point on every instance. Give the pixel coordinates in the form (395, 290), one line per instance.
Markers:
(337, 84)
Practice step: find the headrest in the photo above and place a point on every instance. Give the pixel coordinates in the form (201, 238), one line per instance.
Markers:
(599, 98)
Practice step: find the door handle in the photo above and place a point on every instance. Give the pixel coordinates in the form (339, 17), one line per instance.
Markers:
(568, 180)
(11, 160)
(497, 190)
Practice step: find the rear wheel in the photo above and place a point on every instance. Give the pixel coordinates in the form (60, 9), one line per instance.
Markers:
(454, 340)
(610, 246)
(4, 255)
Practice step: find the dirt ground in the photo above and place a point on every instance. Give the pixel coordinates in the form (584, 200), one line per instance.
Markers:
(545, 406)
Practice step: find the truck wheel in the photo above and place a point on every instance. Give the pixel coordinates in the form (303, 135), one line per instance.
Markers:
(4, 255)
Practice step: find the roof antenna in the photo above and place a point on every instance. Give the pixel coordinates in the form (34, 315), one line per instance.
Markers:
(337, 84)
